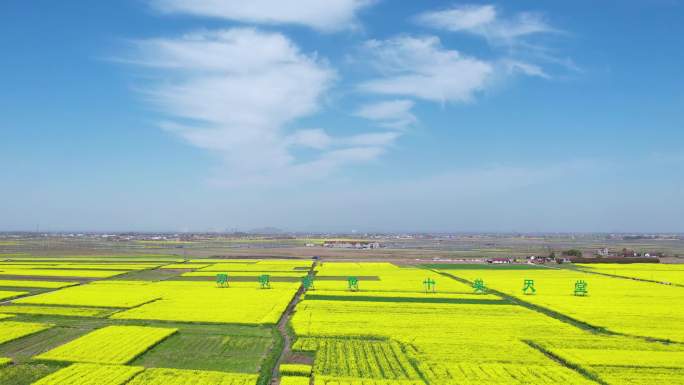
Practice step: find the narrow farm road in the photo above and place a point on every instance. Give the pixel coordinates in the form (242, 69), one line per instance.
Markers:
(282, 329)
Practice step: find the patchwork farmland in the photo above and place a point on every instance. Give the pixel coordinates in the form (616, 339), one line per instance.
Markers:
(170, 320)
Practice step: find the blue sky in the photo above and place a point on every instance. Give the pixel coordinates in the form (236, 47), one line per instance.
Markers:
(360, 115)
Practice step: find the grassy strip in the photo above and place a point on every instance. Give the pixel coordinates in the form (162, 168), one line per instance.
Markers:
(577, 368)
(270, 362)
(198, 349)
(268, 367)
(26, 374)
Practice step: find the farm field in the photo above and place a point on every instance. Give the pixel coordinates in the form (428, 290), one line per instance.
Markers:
(35, 284)
(122, 322)
(620, 360)
(71, 273)
(110, 345)
(10, 330)
(77, 374)
(199, 377)
(253, 274)
(381, 277)
(388, 325)
(201, 302)
(673, 274)
(356, 338)
(56, 310)
(616, 304)
(76, 266)
(4, 294)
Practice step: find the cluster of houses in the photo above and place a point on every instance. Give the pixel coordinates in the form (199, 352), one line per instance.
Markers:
(627, 253)
(587, 256)
(531, 259)
(352, 244)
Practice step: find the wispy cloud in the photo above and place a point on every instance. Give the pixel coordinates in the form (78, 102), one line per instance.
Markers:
(311, 138)
(516, 66)
(486, 21)
(460, 18)
(381, 139)
(521, 38)
(236, 92)
(390, 113)
(463, 198)
(421, 67)
(328, 15)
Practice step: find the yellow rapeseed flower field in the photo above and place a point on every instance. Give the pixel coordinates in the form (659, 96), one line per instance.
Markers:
(648, 271)
(61, 272)
(195, 377)
(394, 330)
(76, 266)
(255, 274)
(621, 305)
(295, 370)
(613, 359)
(241, 303)
(408, 325)
(98, 294)
(90, 374)
(36, 284)
(442, 338)
(260, 266)
(109, 345)
(382, 277)
(294, 380)
(11, 294)
(56, 310)
(11, 330)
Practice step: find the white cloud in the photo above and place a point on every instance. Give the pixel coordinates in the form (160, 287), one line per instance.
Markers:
(313, 138)
(522, 36)
(515, 66)
(493, 197)
(319, 139)
(460, 18)
(327, 15)
(235, 92)
(420, 67)
(391, 113)
(485, 21)
(327, 163)
(380, 139)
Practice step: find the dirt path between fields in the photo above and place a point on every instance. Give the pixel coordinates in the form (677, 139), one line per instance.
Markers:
(282, 329)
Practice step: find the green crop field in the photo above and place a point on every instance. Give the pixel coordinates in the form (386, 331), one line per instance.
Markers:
(350, 323)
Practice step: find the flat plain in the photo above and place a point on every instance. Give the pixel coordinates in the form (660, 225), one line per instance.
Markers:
(167, 320)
